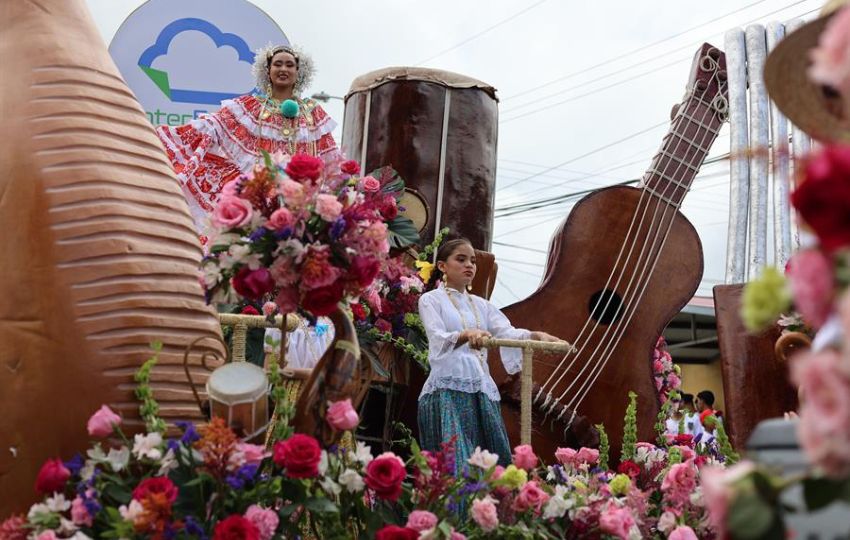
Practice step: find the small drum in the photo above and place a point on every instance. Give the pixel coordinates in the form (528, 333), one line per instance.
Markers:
(238, 392)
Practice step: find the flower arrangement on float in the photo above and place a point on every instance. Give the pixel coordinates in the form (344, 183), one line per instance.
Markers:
(206, 483)
(666, 374)
(303, 234)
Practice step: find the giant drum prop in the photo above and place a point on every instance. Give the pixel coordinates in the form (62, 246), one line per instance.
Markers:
(438, 130)
(99, 256)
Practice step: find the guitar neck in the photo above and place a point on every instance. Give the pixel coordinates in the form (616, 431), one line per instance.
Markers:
(692, 132)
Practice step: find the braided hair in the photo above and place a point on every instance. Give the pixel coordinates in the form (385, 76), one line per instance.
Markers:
(443, 253)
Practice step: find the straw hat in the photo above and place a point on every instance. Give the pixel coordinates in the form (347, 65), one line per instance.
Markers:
(806, 103)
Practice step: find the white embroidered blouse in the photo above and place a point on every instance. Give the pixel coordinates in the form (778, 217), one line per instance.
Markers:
(461, 368)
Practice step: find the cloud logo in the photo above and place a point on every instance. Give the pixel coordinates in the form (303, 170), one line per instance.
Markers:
(160, 48)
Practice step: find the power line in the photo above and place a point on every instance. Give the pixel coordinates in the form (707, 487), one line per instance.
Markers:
(521, 247)
(644, 47)
(481, 33)
(511, 291)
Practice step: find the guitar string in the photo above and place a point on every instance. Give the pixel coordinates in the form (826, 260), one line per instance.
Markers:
(640, 267)
(595, 309)
(645, 208)
(633, 304)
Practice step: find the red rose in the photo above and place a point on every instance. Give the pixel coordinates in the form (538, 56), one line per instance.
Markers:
(359, 312)
(383, 325)
(249, 310)
(303, 167)
(159, 484)
(394, 532)
(384, 476)
(52, 477)
(299, 455)
(323, 300)
(364, 269)
(253, 284)
(823, 199)
(350, 167)
(236, 527)
(629, 468)
(389, 208)
(683, 439)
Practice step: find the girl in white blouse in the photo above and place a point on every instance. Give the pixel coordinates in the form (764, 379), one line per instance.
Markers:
(460, 399)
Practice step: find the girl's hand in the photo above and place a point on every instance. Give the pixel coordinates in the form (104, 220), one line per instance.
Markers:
(475, 338)
(543, 336)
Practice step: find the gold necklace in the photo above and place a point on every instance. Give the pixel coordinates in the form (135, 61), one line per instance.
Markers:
(289, 126)
(450, 294)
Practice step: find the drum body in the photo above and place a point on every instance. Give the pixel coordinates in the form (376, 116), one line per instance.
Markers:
(238, 393)
(439, 131)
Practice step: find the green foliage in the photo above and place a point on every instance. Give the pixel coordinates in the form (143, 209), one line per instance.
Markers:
(604, 448)
(674, 456)
(726, 449)
(149, 408)
(284, 408)
(630, 430)
(661, 424)
(821, 492)
(419, 355)
(428, 251)
(764, 300)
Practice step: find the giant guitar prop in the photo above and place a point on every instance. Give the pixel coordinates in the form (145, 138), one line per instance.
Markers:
(620, 266)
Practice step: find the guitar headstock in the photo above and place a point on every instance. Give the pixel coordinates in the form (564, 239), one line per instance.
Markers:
(708, 80)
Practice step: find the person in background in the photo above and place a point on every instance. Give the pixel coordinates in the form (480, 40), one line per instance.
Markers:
(692, 423)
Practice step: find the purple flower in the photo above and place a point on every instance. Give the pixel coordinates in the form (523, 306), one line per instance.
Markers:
(243, 475)
(189, 433)
(337, 228)
(258, 234)
(194, 529)
(75, 464)
(283, 234)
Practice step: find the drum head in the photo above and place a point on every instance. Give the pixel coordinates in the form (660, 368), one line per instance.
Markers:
(237, 382)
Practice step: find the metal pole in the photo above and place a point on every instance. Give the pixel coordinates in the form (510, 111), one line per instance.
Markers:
(780, 155)
(739, 167)
(759, 126)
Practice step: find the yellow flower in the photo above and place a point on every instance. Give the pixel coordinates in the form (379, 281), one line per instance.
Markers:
(620, 484)
(764, 300)
(425, 270)
(513, 477)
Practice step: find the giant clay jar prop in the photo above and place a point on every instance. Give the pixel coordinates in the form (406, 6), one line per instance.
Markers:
(99, 252)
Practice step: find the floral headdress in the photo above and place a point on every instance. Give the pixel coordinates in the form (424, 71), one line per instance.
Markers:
(260, 69)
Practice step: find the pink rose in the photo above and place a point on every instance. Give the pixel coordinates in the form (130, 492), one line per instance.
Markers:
(717, 492)
(824, 427)
(588, 455)
(253, 284)
(251, 454)
(687, 452)
(284, 272)
(674, 381)
(293, 193)
(683, 532)
(421, 520)
(524, 457)
(328, 207)
(830, 59)
(280, 219)
(264, 519)
(457, 536)
(47, 535)
(566, 456)
(484, 513)
(103, 422)
(370, 184)
(530, 497)
(679, 483)
(317, 270)
(270, 308)
(304, 167)
(812, 285)
(79, 515)
(341, 416)
(657, 366)
(232, 212)
(616, 521)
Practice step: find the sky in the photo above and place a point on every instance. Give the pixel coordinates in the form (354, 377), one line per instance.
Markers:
(580, 84)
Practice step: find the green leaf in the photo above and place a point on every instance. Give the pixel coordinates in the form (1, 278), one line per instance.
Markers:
(118, 492)
(749, 517)
(821, 492)
(287, 511)
(401, 232)
(321, 506)
(376, 363)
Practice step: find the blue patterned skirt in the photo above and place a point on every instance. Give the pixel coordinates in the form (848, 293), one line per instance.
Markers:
(473, 418)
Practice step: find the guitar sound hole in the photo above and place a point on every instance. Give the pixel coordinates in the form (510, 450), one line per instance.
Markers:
(605, 306)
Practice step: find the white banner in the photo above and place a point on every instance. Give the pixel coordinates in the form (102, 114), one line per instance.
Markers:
(183, 57)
